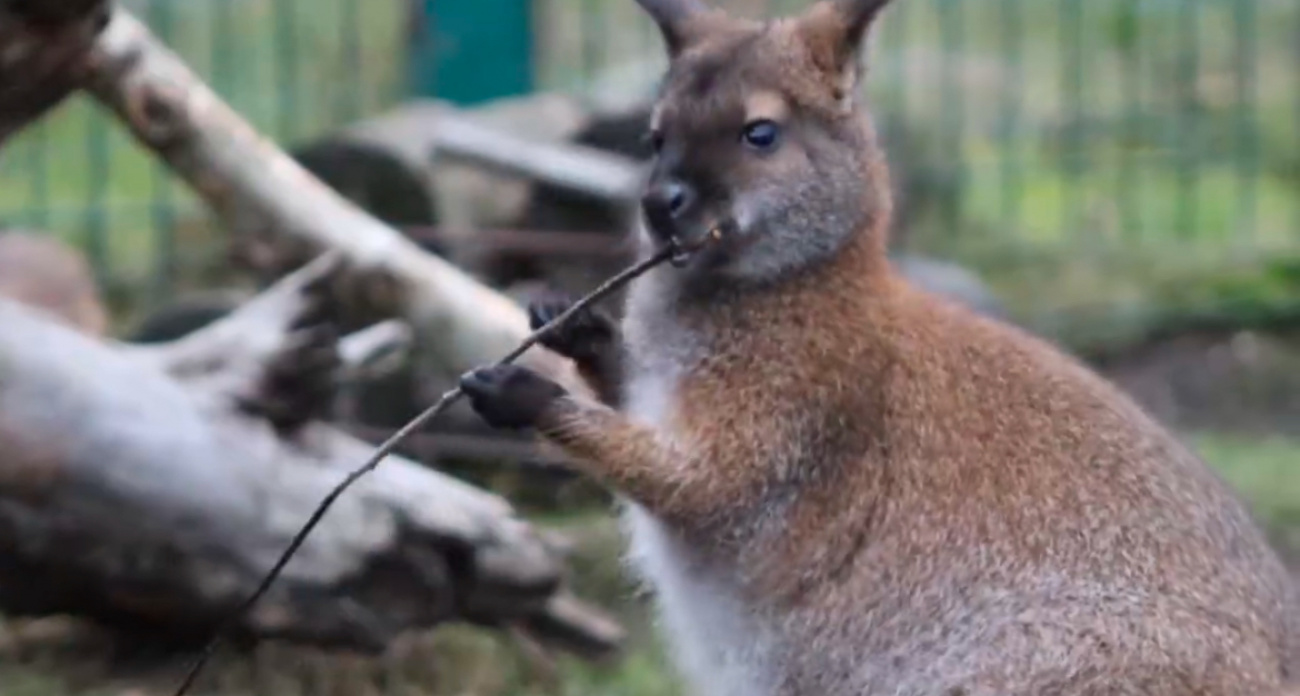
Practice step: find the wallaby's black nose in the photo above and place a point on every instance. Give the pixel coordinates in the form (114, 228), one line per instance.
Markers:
(664, 203)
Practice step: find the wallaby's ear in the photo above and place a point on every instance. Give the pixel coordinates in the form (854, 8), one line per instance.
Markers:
(673, 18)
(835, 31)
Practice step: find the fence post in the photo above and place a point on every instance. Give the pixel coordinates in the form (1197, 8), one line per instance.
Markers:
(470, 52)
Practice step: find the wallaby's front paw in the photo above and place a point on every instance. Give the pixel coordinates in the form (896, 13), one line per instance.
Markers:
(510, 396)
(583, 338)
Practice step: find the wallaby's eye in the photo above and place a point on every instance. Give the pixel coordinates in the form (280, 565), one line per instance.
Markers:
(762, 135)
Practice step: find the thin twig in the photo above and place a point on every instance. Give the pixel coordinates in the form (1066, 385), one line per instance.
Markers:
(446, 400)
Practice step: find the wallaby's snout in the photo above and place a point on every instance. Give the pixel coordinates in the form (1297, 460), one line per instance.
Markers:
(665, 204)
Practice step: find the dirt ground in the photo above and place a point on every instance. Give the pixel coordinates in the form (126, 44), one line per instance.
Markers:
(1230, 382)
(1240, 384)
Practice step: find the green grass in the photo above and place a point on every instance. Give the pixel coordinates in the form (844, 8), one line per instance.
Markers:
(1266, 471)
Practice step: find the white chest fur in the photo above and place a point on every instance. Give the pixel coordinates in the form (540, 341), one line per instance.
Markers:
(713, 639)
(716, 642)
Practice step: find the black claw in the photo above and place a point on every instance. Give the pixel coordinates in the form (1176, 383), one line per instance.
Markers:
(583, 337)
(477, 382)
(542, 312)
(509, 396)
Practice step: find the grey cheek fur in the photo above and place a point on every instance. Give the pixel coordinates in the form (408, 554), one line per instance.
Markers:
(793, 225)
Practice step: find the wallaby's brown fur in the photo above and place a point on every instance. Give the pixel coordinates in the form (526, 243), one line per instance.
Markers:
(839, 485)
(45, 274)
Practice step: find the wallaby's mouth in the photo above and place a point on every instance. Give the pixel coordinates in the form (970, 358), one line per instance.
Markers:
(680, 257)
(685, 249)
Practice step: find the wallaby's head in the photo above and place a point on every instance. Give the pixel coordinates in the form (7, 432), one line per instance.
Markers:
(758, 137)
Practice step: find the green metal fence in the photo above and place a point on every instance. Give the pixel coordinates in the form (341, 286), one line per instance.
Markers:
(294, 68)
(1133, 132)
(1098, 123)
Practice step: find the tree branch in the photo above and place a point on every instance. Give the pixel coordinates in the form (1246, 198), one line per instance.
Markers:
(258, 190)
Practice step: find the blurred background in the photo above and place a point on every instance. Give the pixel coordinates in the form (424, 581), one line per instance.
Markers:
(1121, 176)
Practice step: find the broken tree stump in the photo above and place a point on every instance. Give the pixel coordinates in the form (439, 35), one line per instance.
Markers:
(152, 487)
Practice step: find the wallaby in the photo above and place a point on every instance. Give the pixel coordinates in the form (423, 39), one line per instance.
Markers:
(837, 484)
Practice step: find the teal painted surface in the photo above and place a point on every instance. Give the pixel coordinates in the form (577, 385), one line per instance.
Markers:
(473, 51)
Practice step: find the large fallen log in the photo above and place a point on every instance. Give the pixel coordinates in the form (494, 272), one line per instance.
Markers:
(151, 487)
(598, 174)
(386, 162)
(478, 169)
(542, 161)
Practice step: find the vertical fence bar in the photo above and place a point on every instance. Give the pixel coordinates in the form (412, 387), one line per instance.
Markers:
(1295, 119)
(542, 52)
(1012, 35)
(1185, 161)
(367, 89)
(650, 37)
(1133, 140)
(589, 27)
(952, 104)
(224, 73)
(896, 45)
(97, 210)
(286, 69)
(38, 175)
(1247, 133)
(1071, 19)
(347, 109)
(161, 207)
